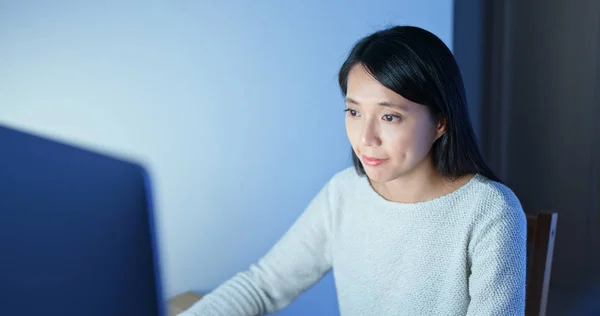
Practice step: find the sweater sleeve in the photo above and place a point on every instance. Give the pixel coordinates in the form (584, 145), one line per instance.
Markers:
(296, 262)
(498, 264)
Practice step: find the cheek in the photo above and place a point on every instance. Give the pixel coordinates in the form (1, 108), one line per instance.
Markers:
(406, 140)
(397, 138)
(424, 136)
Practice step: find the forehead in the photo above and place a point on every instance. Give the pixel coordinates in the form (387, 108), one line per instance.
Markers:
(363, 88)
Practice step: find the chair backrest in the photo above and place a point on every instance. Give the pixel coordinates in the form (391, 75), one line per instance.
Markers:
(541, 231)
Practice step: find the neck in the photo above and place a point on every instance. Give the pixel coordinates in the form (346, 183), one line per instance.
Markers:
(423, 183)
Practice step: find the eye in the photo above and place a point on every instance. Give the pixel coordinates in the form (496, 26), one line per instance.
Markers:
(351, 112)
(391, 118)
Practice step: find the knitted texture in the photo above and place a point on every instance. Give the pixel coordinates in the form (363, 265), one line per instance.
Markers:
(463, 253)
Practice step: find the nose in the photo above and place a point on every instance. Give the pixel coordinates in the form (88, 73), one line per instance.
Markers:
(370, 135)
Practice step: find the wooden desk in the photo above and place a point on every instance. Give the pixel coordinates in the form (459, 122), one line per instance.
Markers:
(182, 302)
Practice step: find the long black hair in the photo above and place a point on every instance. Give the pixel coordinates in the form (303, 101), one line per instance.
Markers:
(417, 65)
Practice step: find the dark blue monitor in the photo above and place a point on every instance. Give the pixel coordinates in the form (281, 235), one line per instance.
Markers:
(76, 232)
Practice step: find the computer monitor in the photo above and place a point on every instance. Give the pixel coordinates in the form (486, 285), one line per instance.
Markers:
(76, 232)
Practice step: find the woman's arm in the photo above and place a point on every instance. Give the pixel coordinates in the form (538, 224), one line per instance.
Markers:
(296, 262)
(498, 265)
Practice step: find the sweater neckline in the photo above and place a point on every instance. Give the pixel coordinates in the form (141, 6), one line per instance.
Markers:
(440, 200)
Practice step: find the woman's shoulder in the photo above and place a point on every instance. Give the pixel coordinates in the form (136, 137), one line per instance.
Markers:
(494, 199)
(346, 175)
(344, 181)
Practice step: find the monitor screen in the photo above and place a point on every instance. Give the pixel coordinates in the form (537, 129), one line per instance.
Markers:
(76, 231)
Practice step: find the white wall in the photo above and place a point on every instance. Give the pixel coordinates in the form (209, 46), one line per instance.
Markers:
(233, 106)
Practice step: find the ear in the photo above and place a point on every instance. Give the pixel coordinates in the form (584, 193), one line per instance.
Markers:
(440, 128)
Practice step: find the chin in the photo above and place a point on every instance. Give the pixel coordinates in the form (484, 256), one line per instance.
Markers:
(380, 173)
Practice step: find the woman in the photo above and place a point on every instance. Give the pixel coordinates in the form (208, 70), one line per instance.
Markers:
(420, 225)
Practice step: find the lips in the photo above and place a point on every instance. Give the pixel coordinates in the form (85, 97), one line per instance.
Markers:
(372, 161)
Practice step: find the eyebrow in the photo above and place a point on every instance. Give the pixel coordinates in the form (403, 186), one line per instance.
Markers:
(383, 103)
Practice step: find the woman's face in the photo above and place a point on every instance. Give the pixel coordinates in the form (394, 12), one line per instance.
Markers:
(391, 135)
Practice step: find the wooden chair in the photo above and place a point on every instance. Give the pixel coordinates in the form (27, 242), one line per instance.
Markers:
(541, 231)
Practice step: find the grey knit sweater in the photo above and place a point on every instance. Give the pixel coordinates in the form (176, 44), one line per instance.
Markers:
(460, 254)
